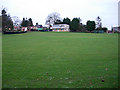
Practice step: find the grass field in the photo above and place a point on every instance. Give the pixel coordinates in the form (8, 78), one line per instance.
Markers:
(0, 60)
(60, 60)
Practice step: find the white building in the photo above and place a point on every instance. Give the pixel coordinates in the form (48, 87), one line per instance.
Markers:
(47, 26)
(60, 28)
(116, 29)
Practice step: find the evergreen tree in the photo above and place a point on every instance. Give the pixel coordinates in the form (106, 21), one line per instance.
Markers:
(90, 25)
(23, 22)
(6, 21)
(26, 23)
(66, 21)
(74, 25)
(30, 23)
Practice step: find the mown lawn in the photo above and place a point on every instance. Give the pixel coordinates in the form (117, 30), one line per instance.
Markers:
(60, 60)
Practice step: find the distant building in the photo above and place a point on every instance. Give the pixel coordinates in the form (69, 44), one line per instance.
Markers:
(47, 26)
(24, 28)
(17, 27)
(33, 28)
(60, 28)
(116, 29)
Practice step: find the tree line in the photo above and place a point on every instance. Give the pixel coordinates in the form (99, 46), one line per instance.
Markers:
(54, 18)
(8, 24)
(27, 22)
(75, 24)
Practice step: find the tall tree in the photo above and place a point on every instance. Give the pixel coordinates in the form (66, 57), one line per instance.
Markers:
(6, 21)
(30, 22)
(23, 22)
(52, 18)
(98, 24)
(66, 21)
(26, 23)
(74, 25)
(16, 20)
(90, 25)
(37, 24)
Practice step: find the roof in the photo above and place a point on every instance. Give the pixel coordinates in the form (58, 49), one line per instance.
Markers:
(60, 25)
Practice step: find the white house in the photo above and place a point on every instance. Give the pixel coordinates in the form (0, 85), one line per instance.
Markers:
(116, 29)
(60, 28)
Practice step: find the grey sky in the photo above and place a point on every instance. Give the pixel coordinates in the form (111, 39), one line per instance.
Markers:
(85, 9)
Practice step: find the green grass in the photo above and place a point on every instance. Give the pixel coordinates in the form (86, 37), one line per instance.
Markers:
(0, 60)
(60, 60)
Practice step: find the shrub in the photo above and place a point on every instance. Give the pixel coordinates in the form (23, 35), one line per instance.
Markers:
(104, 29)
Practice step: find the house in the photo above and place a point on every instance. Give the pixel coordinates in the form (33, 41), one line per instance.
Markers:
(33, 28)
(24, 29)
(116, 29)
(40, 29)
(60, 28)
(17, 27)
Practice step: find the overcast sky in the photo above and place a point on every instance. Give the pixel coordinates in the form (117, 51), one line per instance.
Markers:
(38, 10)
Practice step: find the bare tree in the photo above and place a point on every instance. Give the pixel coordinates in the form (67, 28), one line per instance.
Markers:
(16, 20)
(98, 23)
(52, 18)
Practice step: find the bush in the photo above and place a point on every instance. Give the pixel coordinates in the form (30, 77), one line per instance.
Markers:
(13, 32)
(104, 29)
